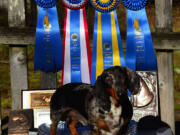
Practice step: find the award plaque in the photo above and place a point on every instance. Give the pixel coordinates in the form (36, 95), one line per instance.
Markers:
(41, 116)
(20, 122)
(146, 101)
(36, 99)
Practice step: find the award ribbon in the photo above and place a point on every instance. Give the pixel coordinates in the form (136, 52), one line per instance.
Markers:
(76, 45)
(140, 54)
(107, 47)
(48, 46)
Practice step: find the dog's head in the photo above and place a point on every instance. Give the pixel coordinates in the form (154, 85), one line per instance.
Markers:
(119, 79)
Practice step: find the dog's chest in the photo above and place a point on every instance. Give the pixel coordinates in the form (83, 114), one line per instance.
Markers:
(112, 117)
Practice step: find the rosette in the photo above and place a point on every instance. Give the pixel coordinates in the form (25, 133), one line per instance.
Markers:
(46, 3)
(104, 5)
(134, 4)
(74, 4)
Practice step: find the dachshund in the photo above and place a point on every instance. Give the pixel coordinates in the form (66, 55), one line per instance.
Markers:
(109, 108)
(104, 106)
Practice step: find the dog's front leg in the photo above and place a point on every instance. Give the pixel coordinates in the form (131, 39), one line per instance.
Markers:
(53, 129)
(72, 127)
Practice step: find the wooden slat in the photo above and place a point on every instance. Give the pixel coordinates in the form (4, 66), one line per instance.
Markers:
(17, 55)
(3, 4)
(163, 15)
(163, 23)
(166, 87)
(26, 36)
(48, 80)
(0, 116)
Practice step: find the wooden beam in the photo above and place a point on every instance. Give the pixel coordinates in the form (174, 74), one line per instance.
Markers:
(163, 23)
(26, 36)
(17, 55)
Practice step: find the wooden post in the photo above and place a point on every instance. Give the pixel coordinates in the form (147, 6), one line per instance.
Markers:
(18, 55)
(3, 4)
(0, 115)
(163, 16)
(166, 87)
(48, 80)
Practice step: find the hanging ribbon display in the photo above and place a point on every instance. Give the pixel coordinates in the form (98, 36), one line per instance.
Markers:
(48, 46)
(140, 54)
(76, 45)
(107, 47)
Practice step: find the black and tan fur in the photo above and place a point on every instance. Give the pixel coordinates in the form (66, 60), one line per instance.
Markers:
(104, 106)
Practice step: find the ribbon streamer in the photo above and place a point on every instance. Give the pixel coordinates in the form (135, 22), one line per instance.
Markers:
(140, 54)
(76, 48)
(48, 46)
(107, 46)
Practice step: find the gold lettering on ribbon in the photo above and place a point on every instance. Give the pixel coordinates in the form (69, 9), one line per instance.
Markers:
(139, 38)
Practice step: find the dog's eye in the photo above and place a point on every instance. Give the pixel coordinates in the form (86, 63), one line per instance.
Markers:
(109, 79)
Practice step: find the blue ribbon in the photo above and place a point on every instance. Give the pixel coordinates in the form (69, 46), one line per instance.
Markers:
(94, 50)
(140, 54)
(107, 40)
(75, 45)
(107, 50)
(48, 46)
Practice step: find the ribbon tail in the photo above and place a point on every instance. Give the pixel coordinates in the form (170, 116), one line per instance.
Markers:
(48, 46)
(76, 55)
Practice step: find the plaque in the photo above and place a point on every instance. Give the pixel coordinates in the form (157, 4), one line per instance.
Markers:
(36, 99)
(41, 116)
(146, 101)
(20, 122)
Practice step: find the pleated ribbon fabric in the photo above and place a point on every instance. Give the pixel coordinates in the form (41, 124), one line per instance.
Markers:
(107, 46)
(140, 54)
(48, 45)
(76, 47)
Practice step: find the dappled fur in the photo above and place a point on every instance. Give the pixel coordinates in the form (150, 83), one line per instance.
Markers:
(104, 106)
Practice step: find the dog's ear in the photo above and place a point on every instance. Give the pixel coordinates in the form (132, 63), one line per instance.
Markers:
(133, 81)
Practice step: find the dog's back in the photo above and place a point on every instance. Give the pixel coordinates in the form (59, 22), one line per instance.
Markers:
(71, 95)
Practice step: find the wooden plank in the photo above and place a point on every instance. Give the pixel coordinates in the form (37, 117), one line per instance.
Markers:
(3, 4)
(16, 13)
(166, 87)
(163, 24)
(18, 73)
(163, 15)
(0, 115)
(26, 36)
(17, 54)
(48, 80)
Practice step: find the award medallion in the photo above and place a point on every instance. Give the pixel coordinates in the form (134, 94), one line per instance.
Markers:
(104, 5)
(74, 4)
(134, 4)
(46, 3)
